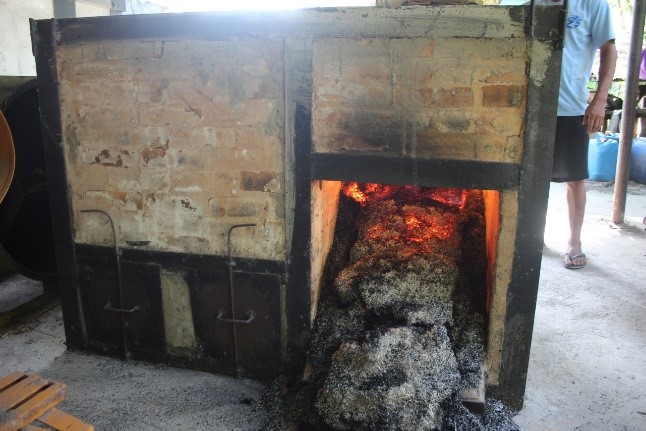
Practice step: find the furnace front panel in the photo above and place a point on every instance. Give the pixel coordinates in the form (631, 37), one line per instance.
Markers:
(195, 161)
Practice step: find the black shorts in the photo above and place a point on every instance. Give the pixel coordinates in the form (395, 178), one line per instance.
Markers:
(570, 150)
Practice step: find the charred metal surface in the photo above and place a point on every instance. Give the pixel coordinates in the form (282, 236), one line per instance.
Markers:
(44, 41)
(175, 261)
(297, 299)
(358, 22)
(421, 172)
(144, 329)
(259, 343)
(532, 208)
(209, 295)
(259, 346)
(98, 285)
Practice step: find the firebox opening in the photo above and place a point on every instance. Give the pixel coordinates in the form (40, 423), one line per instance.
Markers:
(400, 283)
(327, 195)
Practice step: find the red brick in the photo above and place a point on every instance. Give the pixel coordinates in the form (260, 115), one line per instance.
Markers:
(254, 148)
(105, 72)
(188, 159)
(262, 88)
(166, 115)
(95, 177)
(455, 121)
(463, 146)
(154, 180)
(154, 156)
(266, 113)
(257, 181)
(190, 181)
(503, 96)
(108, 157)
(362, 70)
(418, 72)
(458, 97)
(148, 136)
(246, 208)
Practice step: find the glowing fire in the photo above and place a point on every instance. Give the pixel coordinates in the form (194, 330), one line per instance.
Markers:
(363, 192)
(412, 222)
(423, 213)
(352, 190)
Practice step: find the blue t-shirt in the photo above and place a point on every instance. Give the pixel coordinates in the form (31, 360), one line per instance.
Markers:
(588, 26)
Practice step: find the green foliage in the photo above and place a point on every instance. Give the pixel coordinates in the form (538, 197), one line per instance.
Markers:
(625, 7)
(625, 10)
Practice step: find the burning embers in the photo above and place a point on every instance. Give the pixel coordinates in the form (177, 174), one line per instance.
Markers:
(400, 329)
(403, 265)
(417, 218)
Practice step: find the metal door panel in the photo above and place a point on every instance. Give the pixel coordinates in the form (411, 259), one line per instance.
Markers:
(259, 342)
(209, 295)
(144, 331)
(98, 286)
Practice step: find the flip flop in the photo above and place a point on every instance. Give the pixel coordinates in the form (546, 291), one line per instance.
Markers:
(570, 264)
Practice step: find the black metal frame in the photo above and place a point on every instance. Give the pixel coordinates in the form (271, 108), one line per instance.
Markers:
(530, 178)
(44, 45)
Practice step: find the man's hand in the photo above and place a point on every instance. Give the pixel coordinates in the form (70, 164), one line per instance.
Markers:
(595, 115)
(596, 111)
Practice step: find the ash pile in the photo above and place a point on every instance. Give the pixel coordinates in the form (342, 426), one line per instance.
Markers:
(400, 328)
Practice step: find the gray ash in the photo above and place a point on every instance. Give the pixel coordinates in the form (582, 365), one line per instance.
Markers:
(496, 417)
(393, 380)
(400, 327)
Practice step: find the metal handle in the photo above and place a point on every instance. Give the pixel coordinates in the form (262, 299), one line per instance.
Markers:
(251, 315)
(108, 307)
(231, 262)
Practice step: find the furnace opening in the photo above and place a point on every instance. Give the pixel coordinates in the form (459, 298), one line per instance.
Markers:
(401, 278)
(413, 248)
(407, 220)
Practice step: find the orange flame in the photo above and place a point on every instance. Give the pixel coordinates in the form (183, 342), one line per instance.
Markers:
(418, 208)
(364, 192)
(412, 222)
(352, 190)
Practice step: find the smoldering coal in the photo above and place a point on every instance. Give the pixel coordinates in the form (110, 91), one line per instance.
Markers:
(400, 328)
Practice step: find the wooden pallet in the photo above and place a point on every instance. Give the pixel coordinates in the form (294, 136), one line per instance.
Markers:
(28, 401)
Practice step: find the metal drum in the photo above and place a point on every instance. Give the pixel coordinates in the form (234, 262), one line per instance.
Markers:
(26, 238)
(7, 157)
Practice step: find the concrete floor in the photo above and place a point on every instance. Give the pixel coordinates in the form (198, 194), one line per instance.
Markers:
(113, 394)
(586, 369)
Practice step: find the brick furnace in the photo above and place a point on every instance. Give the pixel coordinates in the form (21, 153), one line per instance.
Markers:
(195, 162)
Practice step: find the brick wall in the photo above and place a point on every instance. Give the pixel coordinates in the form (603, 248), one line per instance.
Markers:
(454, 98)
(177, 140)
(180, 126)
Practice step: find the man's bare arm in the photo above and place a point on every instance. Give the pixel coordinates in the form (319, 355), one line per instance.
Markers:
(595, 113)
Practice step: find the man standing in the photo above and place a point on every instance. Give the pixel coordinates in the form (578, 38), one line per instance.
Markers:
(588, 29)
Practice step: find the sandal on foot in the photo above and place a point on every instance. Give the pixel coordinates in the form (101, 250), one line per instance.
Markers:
(569, 263)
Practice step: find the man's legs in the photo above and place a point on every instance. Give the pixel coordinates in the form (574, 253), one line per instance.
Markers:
(576, 199)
